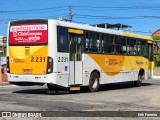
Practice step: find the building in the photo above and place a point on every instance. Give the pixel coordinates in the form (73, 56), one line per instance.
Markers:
(156, 44)
(156, 33)
(3, 43)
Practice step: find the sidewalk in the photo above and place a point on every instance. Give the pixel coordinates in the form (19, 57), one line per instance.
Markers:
(156, 77)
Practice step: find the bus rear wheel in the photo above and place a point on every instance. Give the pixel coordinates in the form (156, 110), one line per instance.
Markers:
(94, 82)
(138, 83)
(51, 89)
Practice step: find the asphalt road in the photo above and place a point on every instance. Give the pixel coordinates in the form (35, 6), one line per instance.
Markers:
(117, 97)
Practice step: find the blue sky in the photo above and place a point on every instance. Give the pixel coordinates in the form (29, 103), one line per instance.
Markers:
(142, 15)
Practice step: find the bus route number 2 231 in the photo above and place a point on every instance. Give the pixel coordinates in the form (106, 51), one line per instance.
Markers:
(62, 59)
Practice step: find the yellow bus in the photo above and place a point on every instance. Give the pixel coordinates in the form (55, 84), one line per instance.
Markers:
(69, 55)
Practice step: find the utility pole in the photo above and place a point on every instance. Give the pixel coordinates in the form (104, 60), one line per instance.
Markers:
(4, 46)
(70, 13)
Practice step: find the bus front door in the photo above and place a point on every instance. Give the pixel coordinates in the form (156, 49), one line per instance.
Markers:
(75, 59)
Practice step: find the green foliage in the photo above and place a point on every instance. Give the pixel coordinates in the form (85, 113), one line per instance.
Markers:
(156, 38)
(156, 54)
(157, 59)
(2, 54)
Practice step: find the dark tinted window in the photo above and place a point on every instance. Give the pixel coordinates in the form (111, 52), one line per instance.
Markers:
(109, 43)
(143, 48)
(62, 39)
(132, 46)
(92, 42)
(120, 45)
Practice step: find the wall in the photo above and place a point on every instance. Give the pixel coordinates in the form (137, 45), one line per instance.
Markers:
(3, 76)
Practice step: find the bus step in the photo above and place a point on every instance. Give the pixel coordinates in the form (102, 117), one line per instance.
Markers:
(73, 88)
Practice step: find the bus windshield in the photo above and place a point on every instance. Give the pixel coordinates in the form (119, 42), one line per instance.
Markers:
(28, 34)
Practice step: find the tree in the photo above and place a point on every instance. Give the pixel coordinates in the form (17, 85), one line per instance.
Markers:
(157, 38)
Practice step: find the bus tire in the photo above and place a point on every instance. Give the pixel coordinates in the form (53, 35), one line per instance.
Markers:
(94, 82)
(138, 83)
(50, 87)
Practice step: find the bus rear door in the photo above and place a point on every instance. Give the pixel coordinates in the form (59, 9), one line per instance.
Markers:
(75, 56)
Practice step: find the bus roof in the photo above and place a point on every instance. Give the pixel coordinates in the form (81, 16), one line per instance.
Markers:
(87, 27)
(127, 34)
(103, 30)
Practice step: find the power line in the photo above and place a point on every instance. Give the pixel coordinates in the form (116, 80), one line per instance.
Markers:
(31, 10)
(114, 17)
(117, 7)
(47, 17)
(83, 8)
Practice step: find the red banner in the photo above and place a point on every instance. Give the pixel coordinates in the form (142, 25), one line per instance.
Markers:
(28, 34)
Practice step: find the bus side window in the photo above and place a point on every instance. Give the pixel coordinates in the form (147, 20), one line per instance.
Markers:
(120, 45)
(106, 44)
(87, 43)
(124, 46)
(136, 47)
(93, 42)
(98, 44)
(130, 46)
(62, 39)
(103, 44)
(110, 41)
(133, 46)
(150, 52)
(143, 48)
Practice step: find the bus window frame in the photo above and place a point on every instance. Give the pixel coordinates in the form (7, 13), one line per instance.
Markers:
(113, 37)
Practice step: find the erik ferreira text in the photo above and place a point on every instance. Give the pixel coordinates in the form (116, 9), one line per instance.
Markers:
(145, 114)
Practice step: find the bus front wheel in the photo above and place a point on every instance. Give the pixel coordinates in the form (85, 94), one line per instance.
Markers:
(94, 82)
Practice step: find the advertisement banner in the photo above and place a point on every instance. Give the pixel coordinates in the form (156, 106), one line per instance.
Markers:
(28, 34)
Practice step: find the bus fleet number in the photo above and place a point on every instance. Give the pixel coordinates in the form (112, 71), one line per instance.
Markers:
(37, 59)
(62, 59)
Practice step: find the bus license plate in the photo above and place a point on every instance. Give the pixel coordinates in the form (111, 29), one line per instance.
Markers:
(27, 71)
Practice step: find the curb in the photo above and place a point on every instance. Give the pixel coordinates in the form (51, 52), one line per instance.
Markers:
(4, 83)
